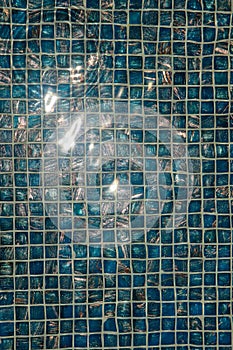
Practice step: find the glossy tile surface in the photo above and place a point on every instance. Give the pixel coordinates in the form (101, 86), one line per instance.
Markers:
(116, 174)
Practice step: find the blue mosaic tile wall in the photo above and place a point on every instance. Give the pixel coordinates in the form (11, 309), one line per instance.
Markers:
(116, 174)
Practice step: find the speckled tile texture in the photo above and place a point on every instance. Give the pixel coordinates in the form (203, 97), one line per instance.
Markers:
(116, 135)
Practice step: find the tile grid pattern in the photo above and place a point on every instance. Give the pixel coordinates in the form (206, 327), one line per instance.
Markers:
(66, 289)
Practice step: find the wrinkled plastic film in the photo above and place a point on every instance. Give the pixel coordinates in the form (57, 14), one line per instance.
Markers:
(107, 170)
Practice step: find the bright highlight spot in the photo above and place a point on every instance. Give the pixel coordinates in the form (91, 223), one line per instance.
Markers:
(50, 100)
(114, 186)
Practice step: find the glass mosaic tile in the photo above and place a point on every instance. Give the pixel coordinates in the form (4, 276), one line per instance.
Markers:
(116, 174)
